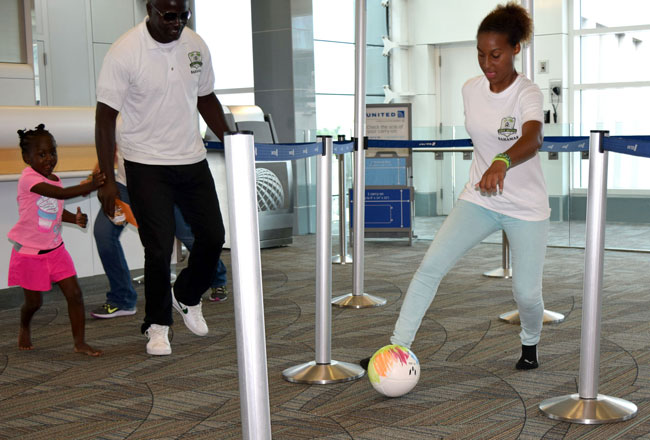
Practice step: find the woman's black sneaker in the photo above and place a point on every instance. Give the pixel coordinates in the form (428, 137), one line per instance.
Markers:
(528, 359)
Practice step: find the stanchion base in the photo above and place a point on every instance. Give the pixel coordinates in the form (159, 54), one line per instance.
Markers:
(358, 301)
(336, 259)
(499, 273)
(602, 409)
(314, 373)
(548, 318)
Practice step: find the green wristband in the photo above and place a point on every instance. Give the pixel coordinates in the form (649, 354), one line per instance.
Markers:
(503, 157)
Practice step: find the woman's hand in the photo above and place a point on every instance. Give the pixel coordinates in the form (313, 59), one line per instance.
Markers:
(492, 180)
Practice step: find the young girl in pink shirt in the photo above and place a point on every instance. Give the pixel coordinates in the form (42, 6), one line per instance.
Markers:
(39, 257)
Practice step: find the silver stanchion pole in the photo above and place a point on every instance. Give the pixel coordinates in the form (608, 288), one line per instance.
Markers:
(587, 406)
(343, 257)
(506, 271)
(528, 54)
(358, 299)
(323, 370)
(247, 286)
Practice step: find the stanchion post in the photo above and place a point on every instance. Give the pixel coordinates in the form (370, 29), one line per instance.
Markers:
(323, 332)
(358, 299)
(247, 286)
(343, 257)
(587, 406)
(512, 317)
(528, 54)
(505, 271)
(323, 370)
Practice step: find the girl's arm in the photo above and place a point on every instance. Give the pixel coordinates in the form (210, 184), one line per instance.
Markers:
(79, 218)
(56, 192)
(527, 145)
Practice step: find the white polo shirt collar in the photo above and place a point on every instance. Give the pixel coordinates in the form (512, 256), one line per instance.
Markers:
(152, 44)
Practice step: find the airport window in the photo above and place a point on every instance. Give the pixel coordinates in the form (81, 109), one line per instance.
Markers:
(12, 32)
(221, 23)
(333, 20)
(611, 85)
(227, 22)
(334, 66)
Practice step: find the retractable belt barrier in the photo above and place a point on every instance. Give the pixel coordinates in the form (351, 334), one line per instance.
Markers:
(323, 370)
(551, 143)
(587, 406)
(634, 145)
(281, 152)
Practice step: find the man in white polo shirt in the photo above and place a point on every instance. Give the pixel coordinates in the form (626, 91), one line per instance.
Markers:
(156, 76)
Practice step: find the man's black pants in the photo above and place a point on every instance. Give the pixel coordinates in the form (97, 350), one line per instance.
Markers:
(154, 190)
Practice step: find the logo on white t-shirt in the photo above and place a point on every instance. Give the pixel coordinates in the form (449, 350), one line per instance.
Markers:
(195, 61)
(47, 212)
(507, 129)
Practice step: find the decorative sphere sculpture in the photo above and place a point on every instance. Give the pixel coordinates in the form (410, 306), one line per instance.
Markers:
(270, 194)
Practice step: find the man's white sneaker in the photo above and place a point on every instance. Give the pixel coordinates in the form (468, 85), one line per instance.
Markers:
(192, 316)
(158, 344)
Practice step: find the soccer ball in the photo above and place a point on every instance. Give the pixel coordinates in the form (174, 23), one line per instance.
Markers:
(393, 370)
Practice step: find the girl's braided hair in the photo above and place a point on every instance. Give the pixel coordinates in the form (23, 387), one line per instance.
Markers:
(26, 136)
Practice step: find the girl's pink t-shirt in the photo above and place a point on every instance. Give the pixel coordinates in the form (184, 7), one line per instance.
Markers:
(39, 222)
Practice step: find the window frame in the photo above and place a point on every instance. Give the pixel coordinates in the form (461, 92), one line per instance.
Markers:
(576, 87)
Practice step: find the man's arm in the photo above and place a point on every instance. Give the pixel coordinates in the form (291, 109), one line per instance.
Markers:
(105, 118)
(212, 113)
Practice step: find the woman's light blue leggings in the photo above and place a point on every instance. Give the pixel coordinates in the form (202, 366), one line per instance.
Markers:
(466, 226)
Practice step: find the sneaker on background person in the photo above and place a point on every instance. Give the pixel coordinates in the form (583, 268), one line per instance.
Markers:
(106, 311)
(218, 294)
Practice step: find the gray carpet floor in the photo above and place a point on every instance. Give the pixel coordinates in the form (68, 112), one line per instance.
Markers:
(468, 388)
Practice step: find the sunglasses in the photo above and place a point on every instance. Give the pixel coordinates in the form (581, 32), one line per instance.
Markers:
(173, 16)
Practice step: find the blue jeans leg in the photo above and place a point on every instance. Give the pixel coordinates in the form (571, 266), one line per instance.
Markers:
(182, 230)
(220, 276)
(184, 233)
(107, 238)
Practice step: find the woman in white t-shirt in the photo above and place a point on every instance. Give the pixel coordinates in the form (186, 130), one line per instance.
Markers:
(506, 190)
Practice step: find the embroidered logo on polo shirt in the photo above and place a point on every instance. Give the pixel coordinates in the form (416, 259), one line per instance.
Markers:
(507, 129)
(195, 61)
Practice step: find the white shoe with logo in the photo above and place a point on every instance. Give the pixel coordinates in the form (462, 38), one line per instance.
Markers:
(158, 344)
(192, 316)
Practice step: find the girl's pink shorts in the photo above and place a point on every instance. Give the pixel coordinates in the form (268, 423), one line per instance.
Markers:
(38, 272)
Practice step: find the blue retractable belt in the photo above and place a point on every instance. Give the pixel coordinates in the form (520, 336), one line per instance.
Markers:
(633, 145)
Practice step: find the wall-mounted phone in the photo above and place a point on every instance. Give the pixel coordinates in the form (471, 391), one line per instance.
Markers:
(555, 90)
